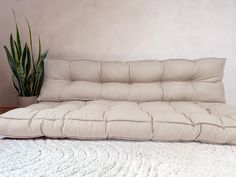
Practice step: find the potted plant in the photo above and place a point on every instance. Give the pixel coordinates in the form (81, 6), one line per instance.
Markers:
(27, 70)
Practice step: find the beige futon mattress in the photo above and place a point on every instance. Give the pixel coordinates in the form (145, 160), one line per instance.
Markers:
(102, 119)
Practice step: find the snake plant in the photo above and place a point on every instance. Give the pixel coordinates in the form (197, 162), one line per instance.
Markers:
(27, 70)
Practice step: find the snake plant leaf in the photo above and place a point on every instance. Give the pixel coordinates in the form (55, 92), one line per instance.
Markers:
(17, 35)
(31, 42)
(12, 47)
(11, 61)
(21, 75)
(29, 62)
(39, 69)
(27, 90)
(16, 87)
(24, 62)
(40, 51)
(31, 84)
(17, 59)
(20, 70)
(13, 66)
(18, 40)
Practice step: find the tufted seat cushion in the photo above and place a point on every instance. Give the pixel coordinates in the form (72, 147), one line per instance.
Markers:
(102, 119)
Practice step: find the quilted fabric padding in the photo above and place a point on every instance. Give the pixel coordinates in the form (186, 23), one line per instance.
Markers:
(138, 81)
(102, 119)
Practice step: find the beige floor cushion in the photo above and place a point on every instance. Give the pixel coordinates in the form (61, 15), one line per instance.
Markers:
(101, 119)
(170, 100)
(151, 80)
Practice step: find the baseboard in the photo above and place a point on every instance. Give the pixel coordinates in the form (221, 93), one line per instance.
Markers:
(5, 109)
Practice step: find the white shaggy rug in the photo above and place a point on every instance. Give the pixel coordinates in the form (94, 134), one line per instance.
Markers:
(60, 158)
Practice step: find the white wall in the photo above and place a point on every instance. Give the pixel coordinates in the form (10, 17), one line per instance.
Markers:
(125, 29)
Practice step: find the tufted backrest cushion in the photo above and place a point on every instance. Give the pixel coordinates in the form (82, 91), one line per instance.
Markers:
(149, 80)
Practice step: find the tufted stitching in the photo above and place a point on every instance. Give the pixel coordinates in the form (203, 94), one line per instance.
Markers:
(161, 81)
(200, 131)
(152, 124)
(188, 117)
(31, 119)
(55, 78)
(195, 92)
(63, 122)
(151, 118)
(215, 116)
(129, 72)
(130, 82)
(62, 90)
(173, 107)
(100, 69)
(70, 75)
(100, 80)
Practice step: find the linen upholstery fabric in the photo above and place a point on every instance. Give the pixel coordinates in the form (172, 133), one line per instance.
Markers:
(169, 100)
(102, 119)
(153, 80)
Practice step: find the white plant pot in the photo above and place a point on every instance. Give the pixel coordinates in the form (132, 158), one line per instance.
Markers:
(26, 101)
